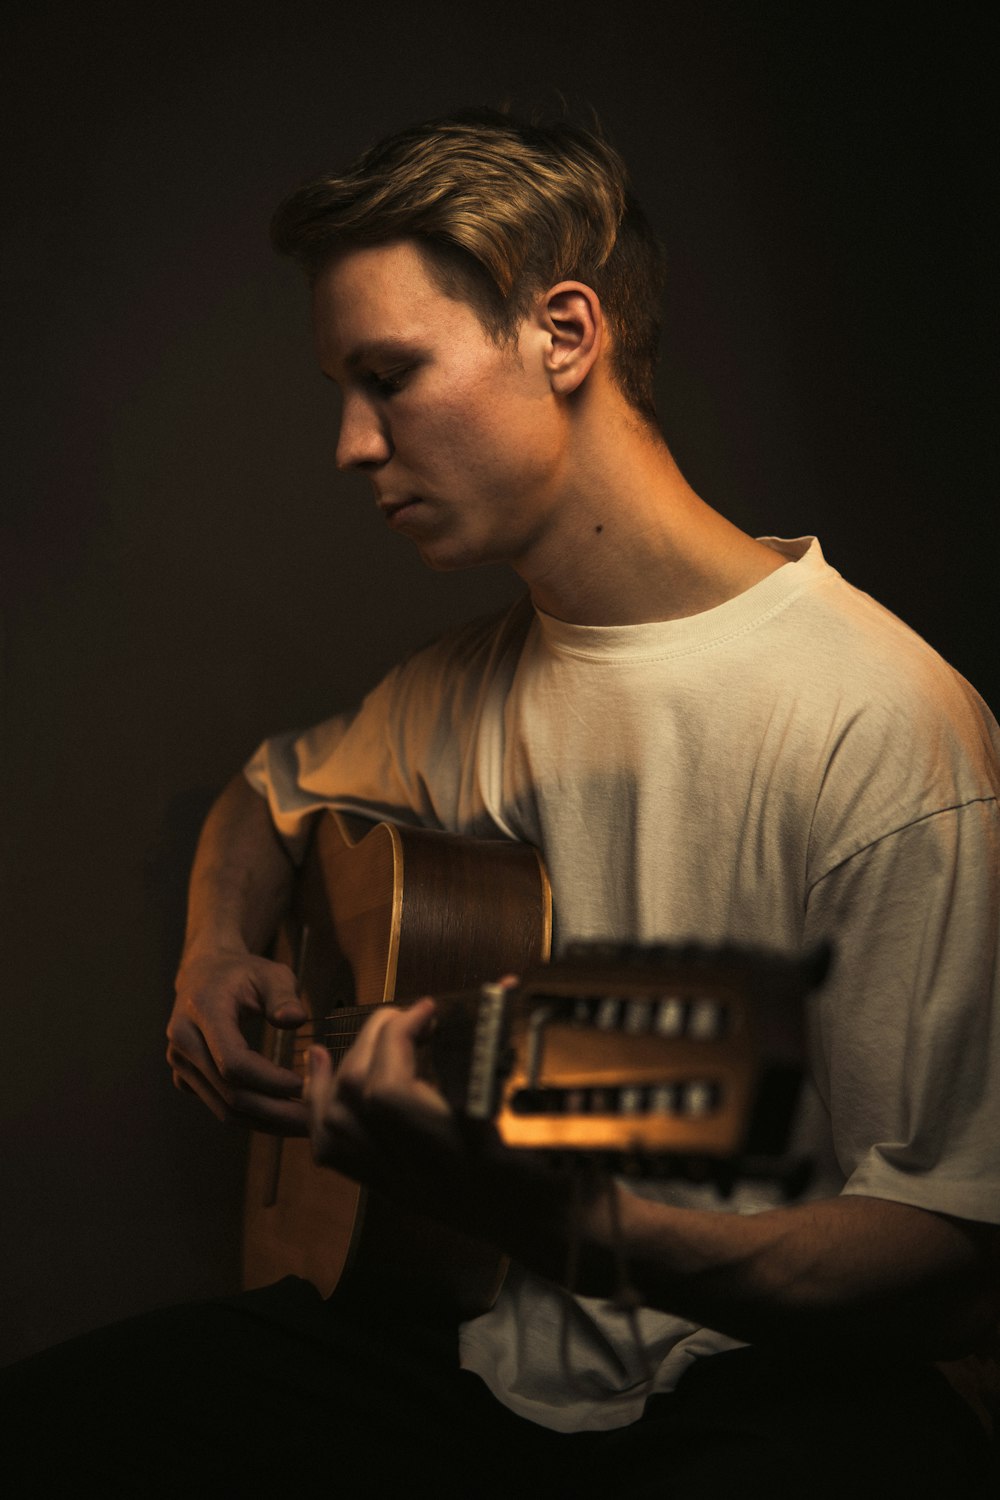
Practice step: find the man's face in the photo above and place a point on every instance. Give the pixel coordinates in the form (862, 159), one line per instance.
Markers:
(462, 440)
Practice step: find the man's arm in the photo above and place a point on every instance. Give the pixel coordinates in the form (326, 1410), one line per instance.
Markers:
(855, 1272)
(851, 1271)
(239, 889)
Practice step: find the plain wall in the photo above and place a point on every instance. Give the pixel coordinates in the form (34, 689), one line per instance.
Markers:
(184, 571)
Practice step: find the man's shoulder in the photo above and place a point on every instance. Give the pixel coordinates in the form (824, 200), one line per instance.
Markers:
(870, 659)
(877, 730)
(471, 640)
(468, 650)
(898, 734)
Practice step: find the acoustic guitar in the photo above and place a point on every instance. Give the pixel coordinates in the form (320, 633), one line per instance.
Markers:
(681, 1060)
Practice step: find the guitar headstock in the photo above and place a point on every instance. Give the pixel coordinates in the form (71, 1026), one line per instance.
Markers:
(674, 1060)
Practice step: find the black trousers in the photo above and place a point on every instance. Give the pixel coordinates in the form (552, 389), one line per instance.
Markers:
(259, 1394)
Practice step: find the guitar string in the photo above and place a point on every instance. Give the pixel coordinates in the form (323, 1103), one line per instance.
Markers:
(625, 1299)
(329, 1032)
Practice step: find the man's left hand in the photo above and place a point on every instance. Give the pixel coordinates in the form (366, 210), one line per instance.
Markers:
(376, 1120)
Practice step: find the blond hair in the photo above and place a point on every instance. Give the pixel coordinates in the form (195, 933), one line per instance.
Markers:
(506, 209)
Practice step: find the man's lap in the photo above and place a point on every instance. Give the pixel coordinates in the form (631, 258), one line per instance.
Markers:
(242, 1394)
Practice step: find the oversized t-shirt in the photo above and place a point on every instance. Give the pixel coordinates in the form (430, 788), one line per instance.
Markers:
(791, 766)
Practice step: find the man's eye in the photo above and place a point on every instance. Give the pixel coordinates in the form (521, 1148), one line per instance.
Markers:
(389, 384)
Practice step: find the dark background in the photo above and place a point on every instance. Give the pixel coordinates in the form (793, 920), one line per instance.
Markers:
(184, 572)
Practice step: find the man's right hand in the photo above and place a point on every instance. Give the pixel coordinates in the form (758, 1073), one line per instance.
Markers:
(240, 886)
(209, 1054)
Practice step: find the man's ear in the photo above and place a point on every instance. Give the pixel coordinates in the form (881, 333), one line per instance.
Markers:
(572, 320)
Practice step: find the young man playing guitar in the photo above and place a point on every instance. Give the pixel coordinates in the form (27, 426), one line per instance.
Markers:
(707, 736)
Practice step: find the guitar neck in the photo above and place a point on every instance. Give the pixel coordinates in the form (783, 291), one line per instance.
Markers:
(668, 1057)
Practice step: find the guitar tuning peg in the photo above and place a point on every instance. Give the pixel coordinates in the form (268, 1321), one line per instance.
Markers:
(637, 1017)
(608, 1014)
(670, 1016)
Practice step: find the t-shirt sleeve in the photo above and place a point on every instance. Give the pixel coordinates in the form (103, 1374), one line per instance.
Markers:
(275, 770)
(369, 760)
(404, 753)
(907, 1033)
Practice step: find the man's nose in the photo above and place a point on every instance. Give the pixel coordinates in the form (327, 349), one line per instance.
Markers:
(363, 441)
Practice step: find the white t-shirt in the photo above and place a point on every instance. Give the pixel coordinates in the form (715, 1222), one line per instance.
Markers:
(790, 766)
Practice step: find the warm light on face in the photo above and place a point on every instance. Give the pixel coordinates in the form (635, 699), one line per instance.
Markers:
(462, 439)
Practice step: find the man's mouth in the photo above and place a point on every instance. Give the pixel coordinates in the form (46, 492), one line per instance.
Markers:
(398, 510)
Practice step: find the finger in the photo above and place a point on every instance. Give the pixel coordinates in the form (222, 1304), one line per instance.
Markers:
(410, 1027)
(274, 1118)
(392, 1073)
(252, 1111)
(279, 997)
(213, 1000)
(249, 1071)
(417, 1017)
(339, 1138)
(192, 1082)
(352, 1073)
(328, 1107)
(237, 1062)
(274, 1110)
(225, 1058)
(319, 1079)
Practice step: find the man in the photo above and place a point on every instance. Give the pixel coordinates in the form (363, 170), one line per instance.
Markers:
(706, 735)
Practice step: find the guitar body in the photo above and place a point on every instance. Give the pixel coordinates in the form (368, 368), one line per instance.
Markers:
(381, 913)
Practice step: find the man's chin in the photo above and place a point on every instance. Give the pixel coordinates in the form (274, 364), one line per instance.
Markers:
(444, 562)
(446, 555)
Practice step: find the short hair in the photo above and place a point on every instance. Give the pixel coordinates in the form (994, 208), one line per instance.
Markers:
(507, 208)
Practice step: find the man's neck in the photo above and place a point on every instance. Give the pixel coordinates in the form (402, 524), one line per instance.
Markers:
(633, 543)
